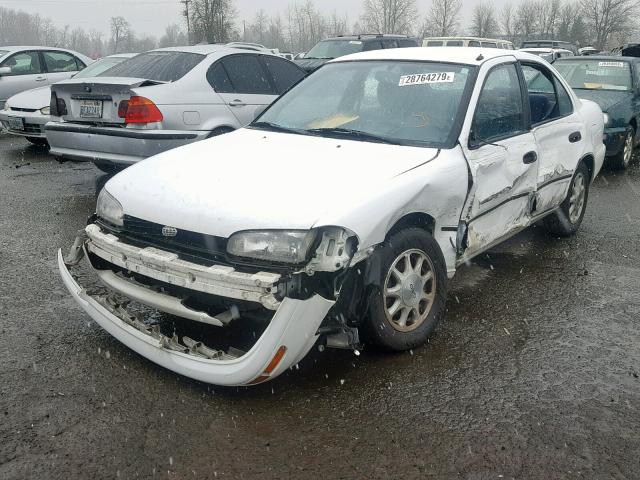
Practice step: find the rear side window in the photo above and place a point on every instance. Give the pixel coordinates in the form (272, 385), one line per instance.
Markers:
(435, 43)
(377, 45)
(218, 79)
(58, 62)
(284, 73)
(454, 43)
(246, 75)
(474, 43)
(489, 45)
(24, 63)
(407, 42)
(162, 66)
(499, 113)
(389, 43)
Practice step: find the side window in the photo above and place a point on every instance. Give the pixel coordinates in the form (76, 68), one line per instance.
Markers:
(499, 113)
(406, 42)
(57, 62)
(247, 75)
(388, 43)
(218, 79)
(283, 72)
(377, 45)
(80, 64)
(489, 45)
(454, 43)
(25, 63)
(435, 43)
(548, 99)
(474, 43)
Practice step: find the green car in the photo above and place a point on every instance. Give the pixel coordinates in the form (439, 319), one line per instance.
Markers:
(612, 82)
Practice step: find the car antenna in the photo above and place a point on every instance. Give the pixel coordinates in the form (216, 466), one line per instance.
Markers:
(479, 58)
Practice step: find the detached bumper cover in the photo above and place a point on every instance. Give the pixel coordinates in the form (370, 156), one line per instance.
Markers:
(294, 326)
(614, 140)
(118, 145)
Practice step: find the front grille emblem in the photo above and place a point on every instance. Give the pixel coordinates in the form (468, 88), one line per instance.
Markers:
(169, 231)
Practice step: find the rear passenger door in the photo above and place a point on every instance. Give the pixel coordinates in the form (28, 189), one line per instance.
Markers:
(558, 132)
(60, 65)
(243, 84)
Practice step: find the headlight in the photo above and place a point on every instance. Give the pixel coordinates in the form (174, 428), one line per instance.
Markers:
(286, 246)
(109, 209)
(46, 110)
(606, 119)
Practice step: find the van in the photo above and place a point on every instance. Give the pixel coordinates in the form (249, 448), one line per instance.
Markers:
(467, 42)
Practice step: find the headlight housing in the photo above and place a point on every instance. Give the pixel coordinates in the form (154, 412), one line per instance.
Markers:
(283, 246)
(606, 119)
(109, 209)
(46, 110)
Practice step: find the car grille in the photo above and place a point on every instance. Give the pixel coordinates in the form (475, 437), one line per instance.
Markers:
(198, 247)
(30, 110)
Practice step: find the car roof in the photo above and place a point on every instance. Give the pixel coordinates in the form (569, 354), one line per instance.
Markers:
(612, 58)
(367, 36)
(465, 56)
(212, 48)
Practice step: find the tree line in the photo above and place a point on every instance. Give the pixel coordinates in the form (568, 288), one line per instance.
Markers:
(601, 23)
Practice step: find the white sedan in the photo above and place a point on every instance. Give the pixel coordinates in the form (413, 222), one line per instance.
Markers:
(340, 213)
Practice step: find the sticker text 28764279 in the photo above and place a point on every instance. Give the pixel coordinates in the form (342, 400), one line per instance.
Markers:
(422, 78)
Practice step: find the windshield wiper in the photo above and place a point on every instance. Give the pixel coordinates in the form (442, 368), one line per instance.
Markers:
(274, 127)
(356, 134)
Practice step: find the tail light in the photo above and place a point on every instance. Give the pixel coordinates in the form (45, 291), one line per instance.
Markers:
(57, 106)
(139, 110)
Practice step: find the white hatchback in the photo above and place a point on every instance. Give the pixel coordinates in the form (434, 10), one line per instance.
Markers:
(340, 213)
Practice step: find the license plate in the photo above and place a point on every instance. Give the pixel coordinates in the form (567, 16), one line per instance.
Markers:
(15, 123)
(91, 109)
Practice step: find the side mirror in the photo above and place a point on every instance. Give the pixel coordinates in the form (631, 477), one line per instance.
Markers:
(5, 71)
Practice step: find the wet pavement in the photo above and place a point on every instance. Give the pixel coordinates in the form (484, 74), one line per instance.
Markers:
(532, 374)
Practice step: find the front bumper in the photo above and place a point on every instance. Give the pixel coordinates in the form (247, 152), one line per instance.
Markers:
(123, 146)
(32, 123)
(292, 329)
(614, 140)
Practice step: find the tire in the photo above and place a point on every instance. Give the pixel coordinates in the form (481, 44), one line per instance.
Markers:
(220, 131)
(424, 305)
(622, 159)
(40, 142)
(566, 220)
(108, 167)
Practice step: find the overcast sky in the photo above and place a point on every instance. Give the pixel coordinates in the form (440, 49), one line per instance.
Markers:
(151, 16)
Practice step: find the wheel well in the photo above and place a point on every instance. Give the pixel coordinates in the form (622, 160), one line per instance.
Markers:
(589, 161)
(417, 219)
(220, 130)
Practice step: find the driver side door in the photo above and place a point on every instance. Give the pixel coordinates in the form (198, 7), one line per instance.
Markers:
(501, 153)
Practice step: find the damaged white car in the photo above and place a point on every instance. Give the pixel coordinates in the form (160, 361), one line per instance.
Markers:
(340, 213)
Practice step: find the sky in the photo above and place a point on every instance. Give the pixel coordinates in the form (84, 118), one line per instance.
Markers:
(152, 16)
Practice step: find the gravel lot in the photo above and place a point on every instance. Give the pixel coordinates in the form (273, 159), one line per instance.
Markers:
(533, 374)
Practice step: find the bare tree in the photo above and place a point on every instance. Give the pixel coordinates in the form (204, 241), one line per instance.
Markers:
(173, 36)
(212, 20)
(120, 29)
(389, 16)
(527, 17)
(483, 20)
(508, 21)
(442, 19)
(609, 18)
(548, 12)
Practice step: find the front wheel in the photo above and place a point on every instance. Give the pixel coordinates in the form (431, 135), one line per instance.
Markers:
(108, 167)
(622, 159)
(566, 220)
(410, 295)
(40, 142)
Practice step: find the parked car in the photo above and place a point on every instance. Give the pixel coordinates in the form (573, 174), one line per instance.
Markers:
(25, 68)
(26, 113)
(346, 44)
(341, 211)
(613, 83)
(588, 51)
(550, 44)
(163, 99)
(549, 54)
(467, 42)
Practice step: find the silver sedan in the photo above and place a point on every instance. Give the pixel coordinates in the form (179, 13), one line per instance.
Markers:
(163, 99)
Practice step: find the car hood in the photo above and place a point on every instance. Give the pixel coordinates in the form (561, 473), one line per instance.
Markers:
(36, 98)
(606, 99)
(254, 179)
(311, 64)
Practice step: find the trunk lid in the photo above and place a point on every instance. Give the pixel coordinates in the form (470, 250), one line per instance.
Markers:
(96, 100)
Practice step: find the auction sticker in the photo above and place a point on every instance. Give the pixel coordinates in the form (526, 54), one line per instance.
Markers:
(422, 78)
(611, 64)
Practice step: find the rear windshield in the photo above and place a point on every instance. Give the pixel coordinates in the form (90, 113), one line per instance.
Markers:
(328, 49)
(596, 74)
(99, 66)
(160, 66)
(3, 53)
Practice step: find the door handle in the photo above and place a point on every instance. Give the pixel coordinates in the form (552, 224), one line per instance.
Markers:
(575, 137)
(529, 157)
(237, 103)
(41, 79)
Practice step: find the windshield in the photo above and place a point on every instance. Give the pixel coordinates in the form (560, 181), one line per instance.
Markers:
(162, 66)
(596, 74)
(334, 48)
(99, 66)
(411, 103)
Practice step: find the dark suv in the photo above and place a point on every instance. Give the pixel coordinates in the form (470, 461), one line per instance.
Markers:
(345, 44)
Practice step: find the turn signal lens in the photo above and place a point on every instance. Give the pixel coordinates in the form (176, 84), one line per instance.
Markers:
(140, 110)
(273, 364)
